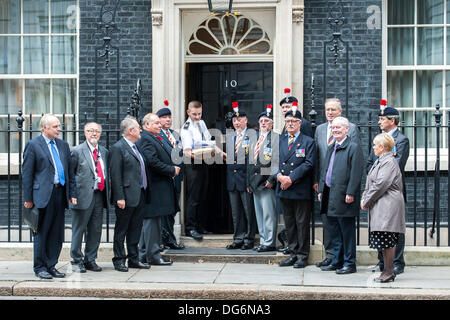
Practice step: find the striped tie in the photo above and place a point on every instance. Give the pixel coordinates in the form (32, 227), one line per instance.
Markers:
(172, 141)
(291, 141)
(330, 139)
(238, 143)
(258, 146)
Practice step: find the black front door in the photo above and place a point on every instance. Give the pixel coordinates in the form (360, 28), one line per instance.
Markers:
(217, 85)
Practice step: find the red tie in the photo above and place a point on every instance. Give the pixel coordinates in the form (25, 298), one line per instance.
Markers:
(101, 184)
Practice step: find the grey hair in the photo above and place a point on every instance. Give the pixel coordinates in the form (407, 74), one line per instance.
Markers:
(92, 122)
(341, 120)
(126, 124)
(46, 119)
(335, 100)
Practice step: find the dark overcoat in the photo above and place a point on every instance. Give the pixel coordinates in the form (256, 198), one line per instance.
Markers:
(345, 180)
(179, 149)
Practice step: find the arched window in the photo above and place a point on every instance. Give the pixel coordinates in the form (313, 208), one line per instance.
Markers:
(229, 35)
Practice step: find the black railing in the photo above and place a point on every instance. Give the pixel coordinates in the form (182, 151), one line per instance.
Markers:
(428, 194)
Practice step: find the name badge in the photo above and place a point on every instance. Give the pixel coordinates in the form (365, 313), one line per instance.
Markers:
(300, 153)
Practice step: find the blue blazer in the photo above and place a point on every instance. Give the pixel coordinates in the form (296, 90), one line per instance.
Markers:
(298, 164)
(237, 172)
(38, 171)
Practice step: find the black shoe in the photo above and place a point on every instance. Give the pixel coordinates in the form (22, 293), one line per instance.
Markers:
(121, 267)
(44, 275)
(92, 266)
(398, 270)
(391, 278)
(202, 230)
(138, 265)
(324, 263)
(300, 263)
(346, 270)
(380, 266)
(247, 246)
(55, 273)
(162, 248)
(194, 234)
(330, 267)
(264, 248)
(234, 245)
(160, 262)
(256, 248)
(175, 246)
(78, 267)
(286, 251)
(288, 262)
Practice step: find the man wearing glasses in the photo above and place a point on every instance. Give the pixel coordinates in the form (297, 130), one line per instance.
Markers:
(89, 162)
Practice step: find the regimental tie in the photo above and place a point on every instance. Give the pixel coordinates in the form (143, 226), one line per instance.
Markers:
(171, 139)
(258, 146)
(238, 142)
(101, 184)
(330, 139)
(143, 175)
(291, 141)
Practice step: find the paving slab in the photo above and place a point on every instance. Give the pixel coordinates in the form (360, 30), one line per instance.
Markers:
(164, 274)
(6, 288)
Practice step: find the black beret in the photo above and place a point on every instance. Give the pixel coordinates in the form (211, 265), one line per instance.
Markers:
(266, 115)
(163, 112)
(389, 112)
(240, 113)
(297, 114)
(288, 100)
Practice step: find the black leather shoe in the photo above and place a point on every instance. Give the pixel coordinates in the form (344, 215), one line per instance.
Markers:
(247, 246)
(265, 249)
(56, 274)
(160, 262)
(346, 270)
(138, 265)
(286, 251)
(78, 267)
(330, 267)
(92, 266)
(256, 248)
(324, 263)
(194, 234)
(288, 262)
(398, 270)
(378, 266)
(121, 267)
(204, 231)
(234, 245)
(300, 264)
(391, 278)
(162, 248)
(175, 246)
(44, 275)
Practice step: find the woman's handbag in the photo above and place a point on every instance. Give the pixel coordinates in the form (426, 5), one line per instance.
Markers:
(31, 218)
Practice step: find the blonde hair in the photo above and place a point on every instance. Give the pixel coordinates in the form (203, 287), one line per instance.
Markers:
(386, 140)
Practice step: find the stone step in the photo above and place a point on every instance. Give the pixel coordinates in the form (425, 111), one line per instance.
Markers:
(210, 241)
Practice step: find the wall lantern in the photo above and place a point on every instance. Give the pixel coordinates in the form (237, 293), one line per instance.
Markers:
(220, 6)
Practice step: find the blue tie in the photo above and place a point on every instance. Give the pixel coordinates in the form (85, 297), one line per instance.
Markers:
(58, 163)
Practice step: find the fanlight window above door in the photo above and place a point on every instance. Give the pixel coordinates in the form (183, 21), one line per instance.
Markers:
(229, 35)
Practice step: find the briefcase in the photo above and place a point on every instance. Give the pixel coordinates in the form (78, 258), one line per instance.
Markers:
(31, 218)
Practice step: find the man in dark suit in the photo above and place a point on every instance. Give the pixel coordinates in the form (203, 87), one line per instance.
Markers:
(172, 142)
(388, 120)
(297, 157)
(89, 164)
(129, 193)
(261, 180)
(339, 191)
(163, 199)
(48, 185)
(323, 138)
(241, 201)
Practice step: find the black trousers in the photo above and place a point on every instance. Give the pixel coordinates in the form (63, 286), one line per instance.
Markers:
(196, 192)
(49, 237)
(167, 235)
(244, 218)
(128, 227)
(297, 216)
(343, 240)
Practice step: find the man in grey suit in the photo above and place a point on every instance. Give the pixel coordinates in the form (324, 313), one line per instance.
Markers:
(388, 121)
(324, 138)
(89, 162)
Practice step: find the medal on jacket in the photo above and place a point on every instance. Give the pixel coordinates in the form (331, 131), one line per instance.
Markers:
(394, 150)
(267, 153)
(300, 153)
(246, 144)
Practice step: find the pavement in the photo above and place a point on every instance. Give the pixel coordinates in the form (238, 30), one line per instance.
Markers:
(224, 281)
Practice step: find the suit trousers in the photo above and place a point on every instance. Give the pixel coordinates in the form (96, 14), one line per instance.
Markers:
(327, 244)
(128, 226)
(399, 260)
(243, 213)
(343, 238)
(266, 216)
(297, 216)
(87, 222)
(196, 191)
(49, 237)
(150, 240)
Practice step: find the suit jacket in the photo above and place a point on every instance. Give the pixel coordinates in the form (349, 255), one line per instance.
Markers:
(237, 171)
(345, 180)
(401, 154)
(84, 173)
(179, 148)
(125, 173)
(321, 138)
(297, 163)
(267, 151)
(161, 169)
(38, 171)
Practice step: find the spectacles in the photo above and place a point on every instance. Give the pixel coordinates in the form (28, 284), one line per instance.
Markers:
(92, 131)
